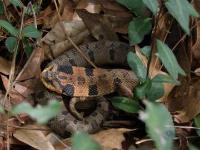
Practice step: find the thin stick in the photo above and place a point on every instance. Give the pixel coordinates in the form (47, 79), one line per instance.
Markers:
(71, 41)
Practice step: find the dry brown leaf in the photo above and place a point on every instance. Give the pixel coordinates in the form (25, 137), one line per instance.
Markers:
(33, 138)
(5, 66)
(108, 139)
(118, 16)
(89, 5)
(187, 106)
(99, 28)
(50, 15)
(55, 42)
(196, 47)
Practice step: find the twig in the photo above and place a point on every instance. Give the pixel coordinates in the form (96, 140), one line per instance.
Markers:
(71, 41)
(12, 73)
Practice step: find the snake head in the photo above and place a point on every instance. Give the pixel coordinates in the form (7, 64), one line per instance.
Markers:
(50, 80)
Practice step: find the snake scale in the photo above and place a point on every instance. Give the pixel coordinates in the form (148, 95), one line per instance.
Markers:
(71, 75)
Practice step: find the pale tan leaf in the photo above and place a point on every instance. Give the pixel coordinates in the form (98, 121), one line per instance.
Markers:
(5, 66)
(33, 138)
(197, 72)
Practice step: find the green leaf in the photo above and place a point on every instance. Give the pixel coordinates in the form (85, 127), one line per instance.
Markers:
(159, 125)
(155, 92)
(11, 43)
(192, 147)
(82, 141)
(138, 28)
(125, 104)
(136, 6)
(142, 89)
(1, 8)
(31, 32)
(41, 114)
(27, 47)
(162, 78)
(137, 66)
(153, 5)
(169, 60)
(146, 50)
(16, 3)
(9, 28)
(197, 123)
(181, 10)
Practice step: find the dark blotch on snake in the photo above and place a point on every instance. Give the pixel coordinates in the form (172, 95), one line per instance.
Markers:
(68, 90)
(66, 69)
(93, 90)
(89, 71)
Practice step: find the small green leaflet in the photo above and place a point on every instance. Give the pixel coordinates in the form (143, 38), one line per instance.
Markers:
(82, 141)
(197, 123)
(31, 31)
(181, 10)
(146, 50)
(41, 113)
(138, 28)
(11, 43)
(9, 28)
(125, 104)
(152, 5)
(136, 6)
(159, 125)
(169, 60)
(163, 78)
(137, 66)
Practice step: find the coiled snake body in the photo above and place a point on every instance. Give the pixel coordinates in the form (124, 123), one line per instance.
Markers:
(70, 75)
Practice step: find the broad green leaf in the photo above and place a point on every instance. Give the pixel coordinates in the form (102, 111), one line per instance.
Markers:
(155, 92)
(138, 28)
(141, 90)
(16, 3)
(1, 8)
(197, 123)
(31, 31)
(159, 125)
(165, 79)
(153, 5)
(146, 50)
(82, 141)
(41, 113)
(192, 147)
(136, 6)
(125, 104)
(169, 60)
(27, 47)
(11, 43)
(137, 66)
(181, 10)
(9, 28)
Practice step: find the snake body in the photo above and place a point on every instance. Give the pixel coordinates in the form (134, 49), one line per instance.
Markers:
(69, 74)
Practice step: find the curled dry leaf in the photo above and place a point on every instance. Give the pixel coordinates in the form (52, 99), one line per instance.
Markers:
(33, 138)
(55, 42)
(5, 66)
